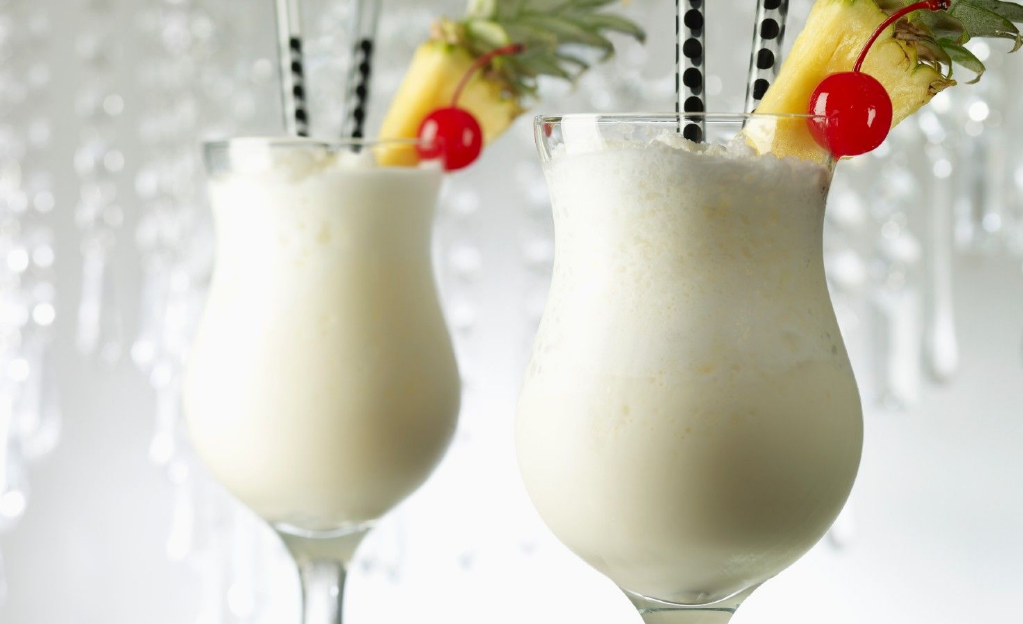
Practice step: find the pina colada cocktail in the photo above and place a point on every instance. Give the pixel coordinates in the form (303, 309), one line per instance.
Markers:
(689, 423)
(321, 389)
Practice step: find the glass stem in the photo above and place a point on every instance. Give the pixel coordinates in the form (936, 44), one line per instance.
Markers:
(323, 586)
(656, 612)
(322, 562)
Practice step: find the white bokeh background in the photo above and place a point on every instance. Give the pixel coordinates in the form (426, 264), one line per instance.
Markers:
(122, 527)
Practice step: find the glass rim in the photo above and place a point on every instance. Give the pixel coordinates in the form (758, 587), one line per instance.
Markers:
(286, 142)
(655, 117)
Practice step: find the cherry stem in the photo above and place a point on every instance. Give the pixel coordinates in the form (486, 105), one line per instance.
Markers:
(514, 48)
(931, 5)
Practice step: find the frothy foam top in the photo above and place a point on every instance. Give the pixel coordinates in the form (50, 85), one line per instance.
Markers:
(585, 139)
(298, 158)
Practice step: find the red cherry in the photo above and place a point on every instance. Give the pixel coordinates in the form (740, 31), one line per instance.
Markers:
(857, 108)
(858, 114)
(451, 134)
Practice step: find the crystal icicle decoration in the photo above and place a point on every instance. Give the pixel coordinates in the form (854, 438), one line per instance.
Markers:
(99, 163)
(30, 419)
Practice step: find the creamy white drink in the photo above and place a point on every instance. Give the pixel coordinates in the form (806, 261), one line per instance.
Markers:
(689, 423)
(322, 387)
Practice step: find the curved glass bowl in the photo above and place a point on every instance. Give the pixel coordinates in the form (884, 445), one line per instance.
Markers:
(321, 388)
(689, 423)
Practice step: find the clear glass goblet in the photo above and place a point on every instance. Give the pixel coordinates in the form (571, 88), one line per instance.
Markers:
(689, 423)
(322, 387)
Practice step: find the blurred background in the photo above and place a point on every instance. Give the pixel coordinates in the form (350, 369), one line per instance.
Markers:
(105, 253)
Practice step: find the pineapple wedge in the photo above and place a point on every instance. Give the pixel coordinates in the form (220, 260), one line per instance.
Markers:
(835, 33)
(430, 83)
(552, 32)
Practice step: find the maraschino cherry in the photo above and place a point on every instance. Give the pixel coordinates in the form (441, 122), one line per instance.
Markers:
(856, 109)
(453, 134)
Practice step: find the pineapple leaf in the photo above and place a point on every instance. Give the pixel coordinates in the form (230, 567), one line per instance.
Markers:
(570, 32)
(550, 30)
(484, 9)
(964, 57)
(521, 81)
(980, 22)
(554, 6)
(541, 65)
(488, 32)
(1009, 10)
(533, 36)
(582, 6)
(1018, 40)
(942, 25)
(614, 23)
(931, 53)
(510, 8)
(570, 59)
(934, 52)
(588, 5)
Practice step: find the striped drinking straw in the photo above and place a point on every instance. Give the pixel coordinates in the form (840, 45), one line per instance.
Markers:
(289, 47)
(365, 16)
(690, 66)
(768, 38)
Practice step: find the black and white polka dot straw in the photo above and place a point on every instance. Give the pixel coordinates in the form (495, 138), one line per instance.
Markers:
(363, 28)
(690, 65)
(289, 44)
(768, 37)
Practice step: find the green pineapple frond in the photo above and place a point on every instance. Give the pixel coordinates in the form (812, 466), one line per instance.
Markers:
(562, 37)
(940, 37)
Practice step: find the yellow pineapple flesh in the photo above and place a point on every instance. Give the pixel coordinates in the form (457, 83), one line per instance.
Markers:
(430, 83)
(834, 36)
